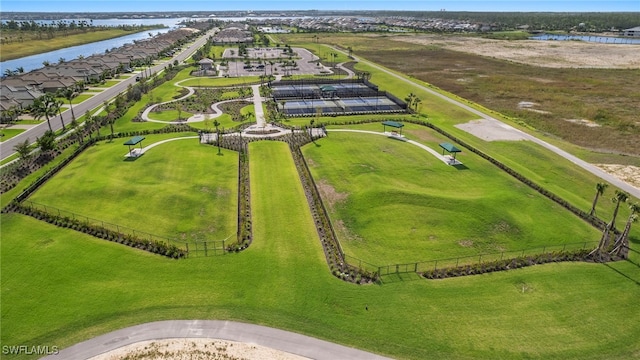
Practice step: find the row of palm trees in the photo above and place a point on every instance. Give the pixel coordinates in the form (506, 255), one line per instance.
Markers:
(621, 241)
(413, 101)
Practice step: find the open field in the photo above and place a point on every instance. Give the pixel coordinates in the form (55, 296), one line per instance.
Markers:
(59, 287)
(180, 189)
(400, 204)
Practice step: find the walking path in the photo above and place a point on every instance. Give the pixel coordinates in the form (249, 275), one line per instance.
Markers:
(444, 158)
(214, 329)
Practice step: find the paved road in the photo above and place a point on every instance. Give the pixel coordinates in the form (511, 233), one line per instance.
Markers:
(6, 147)
(214, 329)
(634, 191)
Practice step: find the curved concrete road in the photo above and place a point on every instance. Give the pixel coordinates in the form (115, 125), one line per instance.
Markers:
(634, 191)
(214, 329)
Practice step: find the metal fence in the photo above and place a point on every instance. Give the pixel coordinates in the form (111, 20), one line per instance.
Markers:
(197, 248)
(435, 264)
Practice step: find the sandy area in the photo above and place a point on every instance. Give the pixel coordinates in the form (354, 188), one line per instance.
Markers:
(195, 349)
(556, 54)
(489, 130)
(627, 173)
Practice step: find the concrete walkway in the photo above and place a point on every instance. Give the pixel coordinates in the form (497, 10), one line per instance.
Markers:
(214, 329)
(445, 159)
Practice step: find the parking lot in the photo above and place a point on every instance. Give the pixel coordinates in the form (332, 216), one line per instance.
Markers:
(261, 58)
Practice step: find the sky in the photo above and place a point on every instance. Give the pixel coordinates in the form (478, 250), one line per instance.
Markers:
(213, 5)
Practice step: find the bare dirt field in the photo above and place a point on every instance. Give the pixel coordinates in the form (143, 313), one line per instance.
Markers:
(555, 54)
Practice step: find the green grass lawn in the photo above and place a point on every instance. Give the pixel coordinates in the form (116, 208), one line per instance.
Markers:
(6, 134)
(60, 287)
(169, 115)
(180, 189)
(107, 84)
(78, 99)
(221, 81)
(400, 204)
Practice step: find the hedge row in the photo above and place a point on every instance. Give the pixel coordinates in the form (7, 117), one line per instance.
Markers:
(245, 227)
(508, 264)
(153, 246)
(328, 239)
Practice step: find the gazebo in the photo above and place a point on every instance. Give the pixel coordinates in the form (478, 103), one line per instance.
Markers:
(134, 152)
(451, 149)
(393, 124)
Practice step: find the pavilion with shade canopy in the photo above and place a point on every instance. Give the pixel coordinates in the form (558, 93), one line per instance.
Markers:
(395, 125)
(452, 150)
(134, 152)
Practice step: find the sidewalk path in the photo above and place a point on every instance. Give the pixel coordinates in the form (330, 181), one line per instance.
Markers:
(214, 329)
(437, 155)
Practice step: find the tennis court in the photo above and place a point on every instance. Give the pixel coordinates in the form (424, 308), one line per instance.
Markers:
(350, 106)
(341, 97)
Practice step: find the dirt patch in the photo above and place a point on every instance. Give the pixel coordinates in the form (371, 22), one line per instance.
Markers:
(195, 349)
(329, 194)
(627, 173)
(465, 243)
(573, 54)
(584, 122)
(530, 106)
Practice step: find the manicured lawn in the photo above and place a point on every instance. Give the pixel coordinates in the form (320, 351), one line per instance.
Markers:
(221, 81)
(6, 134)
(107, 84)
(180, 189)
(400, 204)
(169, 115)
(60, 287)
(78, 99)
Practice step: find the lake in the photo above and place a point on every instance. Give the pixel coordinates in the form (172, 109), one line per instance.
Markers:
(592, 38)
(34, 62)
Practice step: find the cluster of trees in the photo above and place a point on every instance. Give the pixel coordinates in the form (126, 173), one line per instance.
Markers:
(591, 21)
(20, 31)
(620, 240)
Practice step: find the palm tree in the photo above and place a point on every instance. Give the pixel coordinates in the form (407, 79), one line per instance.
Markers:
(68, 94)
(619, 198)
(409, 100)
(622, 242)
(56, 108)
(23, 149)
(600, 188)
(78, 131)
(89, 122)
(416, 101)
(216, 124)
(44, 107)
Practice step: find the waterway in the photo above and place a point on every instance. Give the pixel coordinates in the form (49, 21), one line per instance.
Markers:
(34, 62)
(592, 38)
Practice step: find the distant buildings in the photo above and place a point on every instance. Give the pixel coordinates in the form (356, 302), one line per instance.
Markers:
(634, 32)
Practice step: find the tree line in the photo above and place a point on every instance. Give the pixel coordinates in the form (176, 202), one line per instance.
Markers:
(20, 31)
(587, 21)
